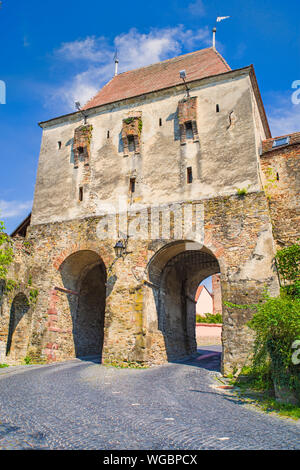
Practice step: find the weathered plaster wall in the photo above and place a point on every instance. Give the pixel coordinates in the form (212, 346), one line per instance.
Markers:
(227, 144)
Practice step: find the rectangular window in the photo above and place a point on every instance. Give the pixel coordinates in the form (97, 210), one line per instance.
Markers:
(131, 143)
(132, 185)
(160, 122)
(59, 145)
(80, 194)
(282, 141)
(189, 130)
(189, 175)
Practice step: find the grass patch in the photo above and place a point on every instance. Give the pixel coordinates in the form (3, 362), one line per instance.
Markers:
(256, 392)
(125, 365)
(209, 318)
(3, 365)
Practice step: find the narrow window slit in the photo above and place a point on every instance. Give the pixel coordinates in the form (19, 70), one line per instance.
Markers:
(132, 185)
(189, 175)
(217, 108)
(81, 194)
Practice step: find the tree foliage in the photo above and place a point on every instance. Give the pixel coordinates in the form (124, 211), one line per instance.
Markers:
(6, 252)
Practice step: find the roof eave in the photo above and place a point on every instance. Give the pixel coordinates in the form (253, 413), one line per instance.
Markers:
(241, 71)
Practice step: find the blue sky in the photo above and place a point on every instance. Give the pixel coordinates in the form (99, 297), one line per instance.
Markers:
(55, 52)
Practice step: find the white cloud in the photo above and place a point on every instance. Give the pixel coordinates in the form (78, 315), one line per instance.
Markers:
(283, 115)
(135, 49)
(14, 208)
(197, 8)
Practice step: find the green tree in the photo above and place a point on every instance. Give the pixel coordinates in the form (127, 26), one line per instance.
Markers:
(6, 252)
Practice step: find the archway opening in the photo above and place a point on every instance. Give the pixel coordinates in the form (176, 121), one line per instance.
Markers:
(19, 325)
(84, 273)
(209, 312)
(176, 271)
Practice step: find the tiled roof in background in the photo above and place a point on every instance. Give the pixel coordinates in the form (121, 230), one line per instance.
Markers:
(199, 64)
(267, 145)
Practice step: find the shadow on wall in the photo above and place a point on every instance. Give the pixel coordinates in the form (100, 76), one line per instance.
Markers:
(84, 272)
(19, 324)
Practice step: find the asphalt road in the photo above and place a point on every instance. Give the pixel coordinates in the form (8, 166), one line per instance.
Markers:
(83, 405)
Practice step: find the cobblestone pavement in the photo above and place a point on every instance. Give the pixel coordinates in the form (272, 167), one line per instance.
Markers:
(82, 405)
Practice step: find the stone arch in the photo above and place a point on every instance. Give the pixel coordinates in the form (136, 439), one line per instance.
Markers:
(174, 273)
(84, 273)
(19, 327)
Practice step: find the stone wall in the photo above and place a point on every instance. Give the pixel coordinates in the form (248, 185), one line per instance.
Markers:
(137, 325)
(281, 172)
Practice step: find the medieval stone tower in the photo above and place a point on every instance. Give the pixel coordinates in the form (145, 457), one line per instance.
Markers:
(152, 187)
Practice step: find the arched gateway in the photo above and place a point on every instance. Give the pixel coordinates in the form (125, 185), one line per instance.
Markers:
(84, 275)
(175, 272)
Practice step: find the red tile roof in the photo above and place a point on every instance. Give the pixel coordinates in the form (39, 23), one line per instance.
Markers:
(199, 64)
(267, 145)
(199, 290)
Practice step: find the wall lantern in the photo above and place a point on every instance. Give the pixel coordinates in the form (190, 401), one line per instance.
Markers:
(119, 249)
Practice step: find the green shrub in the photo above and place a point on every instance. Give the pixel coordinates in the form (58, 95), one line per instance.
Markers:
(276, 323)
(209, 318)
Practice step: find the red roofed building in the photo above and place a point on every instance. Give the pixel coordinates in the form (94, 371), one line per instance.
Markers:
(155, 185)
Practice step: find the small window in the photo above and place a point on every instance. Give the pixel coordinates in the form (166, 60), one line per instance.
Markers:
(189, 130)
(81, 193)
(160, 122)
(217, 108)
(282, 141)
(131, 144)
(132, 185)
(59, 145)
(277, 176)
(80, 150)
(107, 135)
(189, 175)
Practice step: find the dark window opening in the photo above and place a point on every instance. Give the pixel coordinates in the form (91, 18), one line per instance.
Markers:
(189, 130)
(189, 175)
(277, 176)
(81, 193)
(132, 185)
(131, 143)
(59, 145)
(160, 122)
(108, 134)
(217, 108)
(80, 150)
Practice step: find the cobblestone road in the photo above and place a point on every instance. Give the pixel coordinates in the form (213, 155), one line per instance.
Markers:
(82, 405)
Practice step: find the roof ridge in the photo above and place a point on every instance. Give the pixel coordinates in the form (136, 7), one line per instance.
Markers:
(222, 58)
(280, 136)
(168, 60)
(106, 84)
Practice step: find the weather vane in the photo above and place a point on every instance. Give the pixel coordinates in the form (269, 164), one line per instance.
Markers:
(220, 18)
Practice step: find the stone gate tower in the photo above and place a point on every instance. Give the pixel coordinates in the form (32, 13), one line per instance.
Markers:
(154, 190)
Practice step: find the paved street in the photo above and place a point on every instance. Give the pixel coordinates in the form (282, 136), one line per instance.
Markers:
(82, 405)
